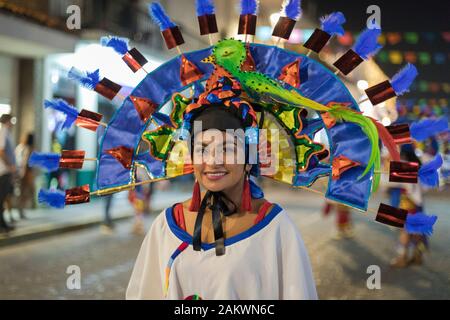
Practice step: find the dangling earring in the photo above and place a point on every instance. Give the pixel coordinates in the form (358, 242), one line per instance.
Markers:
(246, 203)
(196, 197)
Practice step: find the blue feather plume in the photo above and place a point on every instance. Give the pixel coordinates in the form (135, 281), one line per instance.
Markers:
(120, 45)
(54, 198)
(62, 106)
(159, 16)
(292, 9)
(249, 7)
(255, 190)
(46, 161)
(332, 23)
(204, 7)
(427, 128)
(428, 172)
(403, 79)
(367, 43)
(86, 79)
(420, 223)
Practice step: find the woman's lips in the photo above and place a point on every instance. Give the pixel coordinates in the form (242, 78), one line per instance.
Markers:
(215, 175)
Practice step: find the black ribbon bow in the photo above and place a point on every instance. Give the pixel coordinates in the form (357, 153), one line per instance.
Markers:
(215, 202)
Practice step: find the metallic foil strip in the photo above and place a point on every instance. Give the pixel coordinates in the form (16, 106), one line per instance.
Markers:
(123, 154)
(290, 73)
(349, 61)
(72, 159)
(340, 165)
(78, 195)
(107, 88)
(144, 107)
(284, 27)
(173, 37)
(189, 72)
(402, 171)
(137, 55)
(207, 24)
(400, 133)
(392, 216)
(88, 120)
(380, 92)
(247, 24)
(317, 40)
(134, 59)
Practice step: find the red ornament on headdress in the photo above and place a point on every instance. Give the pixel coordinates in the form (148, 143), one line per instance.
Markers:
(144, 107)
(88, 120)
(291, 73)
(340, 165)
(189, 72)
(392, 216)
(72, 159)
(249, 63)
(123, 154)
(78, 195)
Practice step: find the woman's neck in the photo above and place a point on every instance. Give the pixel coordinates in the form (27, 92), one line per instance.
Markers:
(234, 193)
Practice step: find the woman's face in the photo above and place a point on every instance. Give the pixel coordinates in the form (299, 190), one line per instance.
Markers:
(218, 160)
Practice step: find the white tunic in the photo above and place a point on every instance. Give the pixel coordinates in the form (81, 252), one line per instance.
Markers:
(268, 261)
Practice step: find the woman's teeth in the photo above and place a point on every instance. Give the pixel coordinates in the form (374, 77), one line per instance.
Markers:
(215, 174)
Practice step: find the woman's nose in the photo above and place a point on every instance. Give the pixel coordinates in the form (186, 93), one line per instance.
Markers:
(213, 156)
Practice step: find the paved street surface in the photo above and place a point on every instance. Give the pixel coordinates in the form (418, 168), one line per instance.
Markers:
(37, 269)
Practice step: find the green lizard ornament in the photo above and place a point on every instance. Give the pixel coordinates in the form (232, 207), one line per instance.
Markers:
(230, 54)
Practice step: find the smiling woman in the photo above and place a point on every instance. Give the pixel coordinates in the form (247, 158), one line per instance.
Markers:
(259, 253)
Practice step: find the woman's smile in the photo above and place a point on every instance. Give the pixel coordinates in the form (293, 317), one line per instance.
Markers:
(215, 175)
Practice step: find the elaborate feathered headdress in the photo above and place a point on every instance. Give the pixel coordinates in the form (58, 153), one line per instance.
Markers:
(297, 95)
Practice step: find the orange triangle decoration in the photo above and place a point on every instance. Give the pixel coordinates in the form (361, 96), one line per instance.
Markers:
(249, 63)
(340, 165)
(328, 120)
(219, 72)
(189, 72)
(290, 73)
(123, 154)
(144, 107)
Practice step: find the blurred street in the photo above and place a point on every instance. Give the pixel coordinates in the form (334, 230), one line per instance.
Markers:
(37, 269)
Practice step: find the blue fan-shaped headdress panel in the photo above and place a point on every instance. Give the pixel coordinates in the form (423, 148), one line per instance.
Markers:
(317, 83)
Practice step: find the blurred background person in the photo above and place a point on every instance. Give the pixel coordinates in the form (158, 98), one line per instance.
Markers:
(344, 224)
(25, 174)
(107, 226)
(139, 197)
(7, 167)
(409, 197)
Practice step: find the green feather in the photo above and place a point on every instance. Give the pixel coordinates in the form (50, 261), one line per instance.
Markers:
(367, 126)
